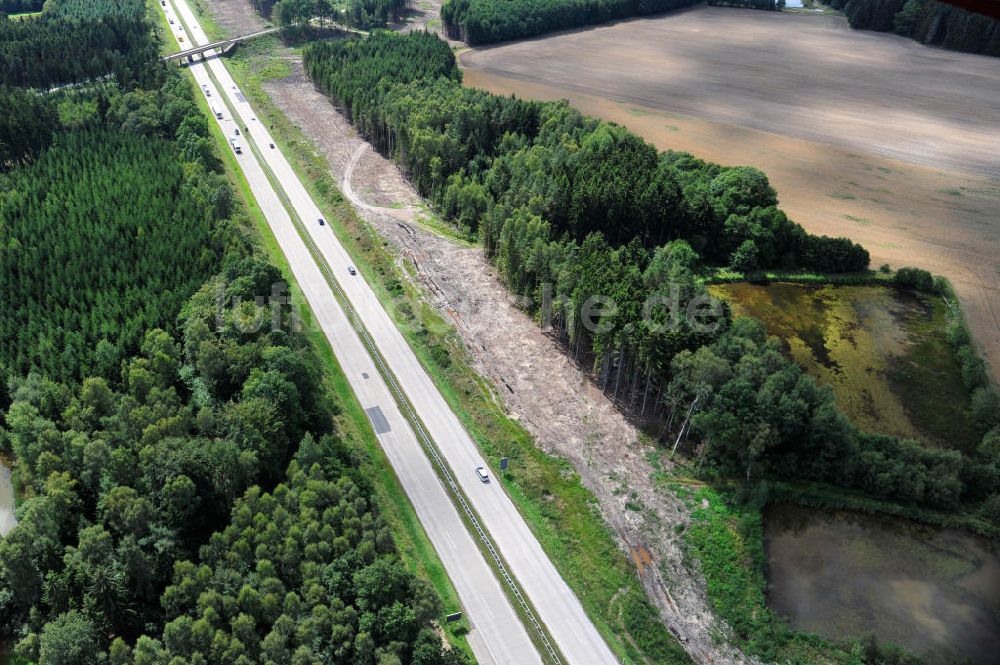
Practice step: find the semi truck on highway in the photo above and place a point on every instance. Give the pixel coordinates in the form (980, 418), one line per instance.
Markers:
(217, 112)
(235, 142)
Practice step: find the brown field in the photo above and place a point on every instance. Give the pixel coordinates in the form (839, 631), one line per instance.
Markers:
(867, 135)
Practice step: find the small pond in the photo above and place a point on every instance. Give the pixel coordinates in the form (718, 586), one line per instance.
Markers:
(843, 575)
(878, 348)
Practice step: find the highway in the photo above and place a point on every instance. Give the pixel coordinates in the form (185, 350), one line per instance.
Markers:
(498, 635)
(504, 639)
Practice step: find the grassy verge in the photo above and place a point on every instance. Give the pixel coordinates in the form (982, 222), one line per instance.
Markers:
(826, 497)
(157, 19)
(411, 541)
(208, 23)
(561, 512)
(863, 278)
(727, 541)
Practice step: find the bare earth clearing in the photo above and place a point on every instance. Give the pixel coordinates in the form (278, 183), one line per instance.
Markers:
(540, 386)
(867, 135)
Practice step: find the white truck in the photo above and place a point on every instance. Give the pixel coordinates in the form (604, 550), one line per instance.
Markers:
(237, 148)
(216, 112)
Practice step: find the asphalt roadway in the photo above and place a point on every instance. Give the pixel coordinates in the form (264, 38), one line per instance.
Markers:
(499, 635)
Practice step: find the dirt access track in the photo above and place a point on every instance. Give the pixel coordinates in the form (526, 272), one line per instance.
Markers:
(863, 134)
(539, 385)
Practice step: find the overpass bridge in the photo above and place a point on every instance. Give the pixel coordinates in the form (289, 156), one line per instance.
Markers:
(222, 46)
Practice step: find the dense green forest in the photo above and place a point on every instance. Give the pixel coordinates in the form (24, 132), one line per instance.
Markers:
(568, 208)
(133, 10)
(76, 40)
(927, 21)
(129, 477)
(27, 124)
(93, 251)
(484, 21)
(20, 6)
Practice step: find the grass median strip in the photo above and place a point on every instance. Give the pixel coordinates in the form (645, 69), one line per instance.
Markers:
(538, 632)
(521, 604)
(547, 491)
(412, 543)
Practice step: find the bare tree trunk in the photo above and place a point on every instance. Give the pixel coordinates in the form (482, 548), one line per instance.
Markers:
(687, 420)
(645, 393)
(618, 376)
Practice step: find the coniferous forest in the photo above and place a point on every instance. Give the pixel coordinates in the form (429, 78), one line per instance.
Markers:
(20, 6)
(927, 21)
(72, 43)
(88, 213)
(183, 493)
(485, 21)
(568, 208)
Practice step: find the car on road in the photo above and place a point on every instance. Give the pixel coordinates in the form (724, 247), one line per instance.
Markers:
(483, 474)
(171, 21)
(272, 146)
(351, 270)
(208, 93)
(236, 131)
(322, 222)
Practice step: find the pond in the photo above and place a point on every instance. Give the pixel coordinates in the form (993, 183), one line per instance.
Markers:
(842, 574)
(879, 348)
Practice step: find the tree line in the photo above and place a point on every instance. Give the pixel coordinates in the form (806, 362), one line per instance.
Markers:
(568, 207)
(927, 21)
(567, 203)
(484, 21)
(482, 157)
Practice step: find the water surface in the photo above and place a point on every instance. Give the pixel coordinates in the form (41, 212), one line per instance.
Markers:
(844, 575)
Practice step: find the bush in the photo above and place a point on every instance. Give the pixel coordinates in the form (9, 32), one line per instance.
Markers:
(914, 278)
